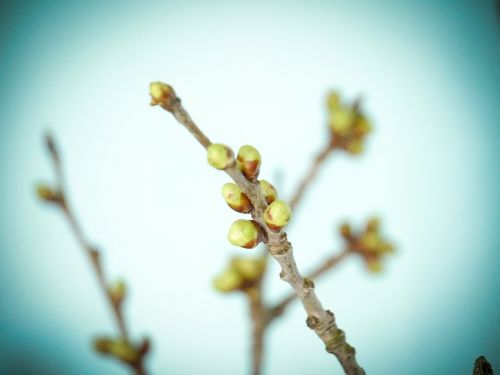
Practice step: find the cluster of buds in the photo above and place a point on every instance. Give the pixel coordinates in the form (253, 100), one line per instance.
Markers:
(348, 125)
(122, 350)
(248, 233)
(242, 274)
(369, 243)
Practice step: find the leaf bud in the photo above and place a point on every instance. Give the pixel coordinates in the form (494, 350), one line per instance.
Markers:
(249, 161)
(162, 94)
(244, 233)
(220, 156)
(117, 291)
(277, 215)
(268, 191)
(235, 198)
(229, 281)
(48, 194)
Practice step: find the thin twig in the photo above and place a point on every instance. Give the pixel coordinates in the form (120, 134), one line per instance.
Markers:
(318, 319)
(311, 174)
(90, 251)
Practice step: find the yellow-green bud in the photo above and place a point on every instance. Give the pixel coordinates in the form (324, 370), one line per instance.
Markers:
(227, 282)
(345, 231)
(244, 233)
(47, 194)
(161, 94)
(235, 198)
(268, 191)
(103, 345)
(117, 291)
(373, 224)
(249, 161)
(374, 265)
(250, 269)
(333, 100)
(370, 241)
(361, 127)
(220, 156)
(277, 215)
(124, 351)
(342, 120)
(355, 147)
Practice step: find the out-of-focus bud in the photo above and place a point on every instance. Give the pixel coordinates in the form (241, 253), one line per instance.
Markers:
(250, 269)
(370, 241)
(235, 198)
(103, 345)
(355, 147)
(374, 266)
(244, 233)
(162, 94)
(249, 161)
(277, 215)
(47, 194)
(220, 156)
(268, 191)
(124, 351)
(345, 231)
(333, 100)
(117, 291)
(373, 224)
(361, 127)
(229, 281)
(342, 120)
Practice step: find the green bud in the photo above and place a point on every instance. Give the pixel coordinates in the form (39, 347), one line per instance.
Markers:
(361, 127)
(277, 215)
(161, 94)
(103, 345)
(47, 194)
(342, 120)
(374, 265)
(235, 198)
(229, 281)
(117, 291)
(333, 100)
(370, 241)
(373, 224)
(220, 156)
(244, 233)
(345, 231)
(268, 191)
(250, 269)
(249, 161)
(355, 147)
(124, 351)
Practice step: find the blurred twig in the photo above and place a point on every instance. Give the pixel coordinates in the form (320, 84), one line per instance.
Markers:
(122, 349)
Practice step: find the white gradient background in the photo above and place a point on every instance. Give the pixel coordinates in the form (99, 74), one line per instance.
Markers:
(250, 73)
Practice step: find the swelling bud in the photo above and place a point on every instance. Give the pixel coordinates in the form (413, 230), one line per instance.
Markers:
(268, 191)
(220, 156)
(244, 233)
(162, 94)
(277, 215)
(235, 198)
(249, 161)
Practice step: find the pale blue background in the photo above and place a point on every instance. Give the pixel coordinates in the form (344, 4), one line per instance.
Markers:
(250, 72)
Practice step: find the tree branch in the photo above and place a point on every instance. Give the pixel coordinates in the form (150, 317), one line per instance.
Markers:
(279, 308)
(318, 319)
(90, 251)
(311, 174)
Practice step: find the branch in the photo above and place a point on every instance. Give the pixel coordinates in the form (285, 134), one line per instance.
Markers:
(59, 197)
(311, 174)
(279, 308)
(318, 319)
